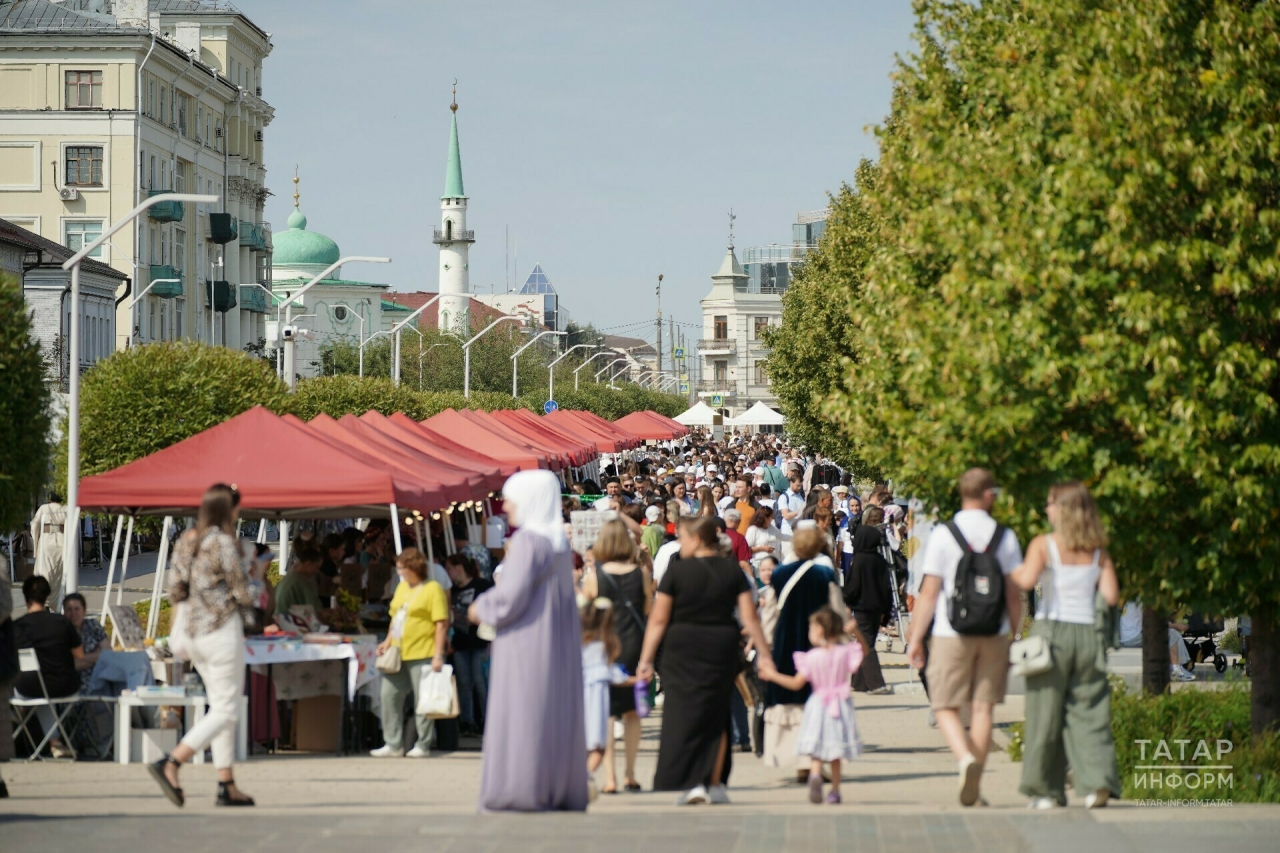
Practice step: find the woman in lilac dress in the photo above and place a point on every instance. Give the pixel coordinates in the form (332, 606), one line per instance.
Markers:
(535, 754)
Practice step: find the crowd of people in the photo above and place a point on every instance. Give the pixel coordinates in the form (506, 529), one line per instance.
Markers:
(746, 582)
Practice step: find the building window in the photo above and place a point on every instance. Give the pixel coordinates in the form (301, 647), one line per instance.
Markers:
(180, 250)
(177, 317)
(84, 166)
(721, 328)
(164, 94)
(184, 104)
(721, 373)
(80, 234)
(151, 97)
(761, 325)
(151, 325)
(762, 375)
(84, 90)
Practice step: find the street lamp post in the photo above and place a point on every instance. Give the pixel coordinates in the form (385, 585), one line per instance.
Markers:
(361, 316)
(290, 356)
(584, 364)
(135, 299)
(551, 369)
(607, 366)
(466, 352)
(70, 556)
(395, 333)
(423, 355)
(515, 364)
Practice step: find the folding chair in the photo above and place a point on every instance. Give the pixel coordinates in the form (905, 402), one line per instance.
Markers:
(28, 662)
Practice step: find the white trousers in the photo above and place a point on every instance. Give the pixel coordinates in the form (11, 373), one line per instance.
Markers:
(219, 658)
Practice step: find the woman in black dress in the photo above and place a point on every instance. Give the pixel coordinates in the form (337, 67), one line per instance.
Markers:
(868, 594)
(694, 611)
(618, 577)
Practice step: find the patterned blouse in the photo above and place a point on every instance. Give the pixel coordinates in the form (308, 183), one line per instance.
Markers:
(213, 578)
(92, 637)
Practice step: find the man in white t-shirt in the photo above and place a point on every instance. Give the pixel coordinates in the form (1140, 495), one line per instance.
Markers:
(964, 668)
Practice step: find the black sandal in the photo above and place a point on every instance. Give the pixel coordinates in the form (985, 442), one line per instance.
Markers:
(225, 798)
(632, 787)
(174, 793)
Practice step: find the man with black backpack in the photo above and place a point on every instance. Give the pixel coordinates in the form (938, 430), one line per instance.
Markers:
(965, 598)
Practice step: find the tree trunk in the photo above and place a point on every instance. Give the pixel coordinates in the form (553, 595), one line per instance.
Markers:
(1264, 661)
(1155, 651)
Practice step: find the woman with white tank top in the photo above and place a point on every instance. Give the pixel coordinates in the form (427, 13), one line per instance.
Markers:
(1068, 708)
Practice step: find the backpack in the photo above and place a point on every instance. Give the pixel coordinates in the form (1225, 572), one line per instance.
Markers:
(976, 606)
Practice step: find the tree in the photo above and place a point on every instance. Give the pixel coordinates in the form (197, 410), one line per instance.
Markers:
(24, 411)
(145, 398)
(816, 344)
(1077, 278)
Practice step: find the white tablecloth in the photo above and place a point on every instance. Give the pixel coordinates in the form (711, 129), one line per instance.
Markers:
(261, 651)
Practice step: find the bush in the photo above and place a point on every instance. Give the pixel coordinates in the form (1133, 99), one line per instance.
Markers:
(145, 398)
(1190, 715)
(350, 395)
(24, 411)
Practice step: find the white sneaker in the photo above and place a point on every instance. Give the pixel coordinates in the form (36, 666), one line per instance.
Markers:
(695, 797)
(1042, 803)
(1177, 673)
(385, 751)
(1097, 799)
(719, 795)
(418, 752)
(970, 777)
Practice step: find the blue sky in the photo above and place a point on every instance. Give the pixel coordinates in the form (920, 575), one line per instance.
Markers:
(610, 138)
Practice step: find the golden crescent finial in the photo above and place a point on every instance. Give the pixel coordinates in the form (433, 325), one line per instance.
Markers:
(295, 185)
(454, 106)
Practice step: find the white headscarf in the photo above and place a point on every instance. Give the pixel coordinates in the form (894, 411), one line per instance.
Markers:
(536, 496)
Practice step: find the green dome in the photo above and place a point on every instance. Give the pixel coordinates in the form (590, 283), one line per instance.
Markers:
(300, 246)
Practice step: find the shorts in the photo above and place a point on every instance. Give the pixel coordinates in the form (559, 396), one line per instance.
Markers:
(967, 669)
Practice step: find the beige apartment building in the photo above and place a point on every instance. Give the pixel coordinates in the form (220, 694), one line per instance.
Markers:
(105, 101)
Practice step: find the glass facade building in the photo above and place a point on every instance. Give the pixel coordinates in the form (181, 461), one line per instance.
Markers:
(768, 268)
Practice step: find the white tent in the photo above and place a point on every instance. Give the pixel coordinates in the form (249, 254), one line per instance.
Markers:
(757, 415)
(700, 415)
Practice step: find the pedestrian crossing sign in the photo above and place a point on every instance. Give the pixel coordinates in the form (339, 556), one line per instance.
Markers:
(679, 352)
(684, 387)
(717, 401)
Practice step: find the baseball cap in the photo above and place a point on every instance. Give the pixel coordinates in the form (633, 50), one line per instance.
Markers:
(841, 489)
(679, 469)
(712, 467)
(652, 514)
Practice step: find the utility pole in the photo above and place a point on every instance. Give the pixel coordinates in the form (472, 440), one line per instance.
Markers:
(659, 322)
(671, 328)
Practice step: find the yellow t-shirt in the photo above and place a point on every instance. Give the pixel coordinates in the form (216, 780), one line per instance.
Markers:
(427, 606)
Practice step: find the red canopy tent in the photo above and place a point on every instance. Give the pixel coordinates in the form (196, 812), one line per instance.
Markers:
(483, 478)
(651, 425)
(609, 440)
(583, 450)
(451, 424)
(472, 457)
(280, 470)
(554, 451)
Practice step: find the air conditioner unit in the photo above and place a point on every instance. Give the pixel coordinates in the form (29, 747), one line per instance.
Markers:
(217, 131)
(69, 193)
(257, 136)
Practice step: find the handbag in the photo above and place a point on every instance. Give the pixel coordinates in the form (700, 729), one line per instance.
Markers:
(388, 662)
(1032, 655)
(438, 694)
(179, 634)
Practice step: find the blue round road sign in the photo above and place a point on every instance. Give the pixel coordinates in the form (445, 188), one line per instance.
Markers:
(550, 406)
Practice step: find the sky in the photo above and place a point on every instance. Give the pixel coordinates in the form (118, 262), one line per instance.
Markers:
(608, 139)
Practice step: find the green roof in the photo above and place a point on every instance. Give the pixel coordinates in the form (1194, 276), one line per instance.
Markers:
(300, 246)
(453, 174)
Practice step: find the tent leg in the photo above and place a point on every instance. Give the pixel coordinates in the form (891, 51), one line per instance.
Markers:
(284, 548)
(395, 528)
(111, 570)
(262, 531)
(124, 566)
(157, 589)
(417, 532)
(449, 546)
(431, 555)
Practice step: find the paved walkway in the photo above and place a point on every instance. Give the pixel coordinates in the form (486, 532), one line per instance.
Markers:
(901, 796)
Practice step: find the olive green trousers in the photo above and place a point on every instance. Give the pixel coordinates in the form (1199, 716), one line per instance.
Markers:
(1068, 711)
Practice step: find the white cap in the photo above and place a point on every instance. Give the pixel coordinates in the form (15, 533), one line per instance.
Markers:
(712, 467)
(679, 469)
(652, 514)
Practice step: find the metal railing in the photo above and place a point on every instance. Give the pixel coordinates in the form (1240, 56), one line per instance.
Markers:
(718, 344)
(455, 237)
(775, 254)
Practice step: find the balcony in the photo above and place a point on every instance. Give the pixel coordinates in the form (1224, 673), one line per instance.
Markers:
(165, 211)
(253, 237)
(254, 299)
(221, 294)
(165, 289)
(439, 237)
(718, 346)
(223, 228)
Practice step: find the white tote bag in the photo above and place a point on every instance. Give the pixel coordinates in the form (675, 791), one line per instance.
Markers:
(179, 634)
(436, 694)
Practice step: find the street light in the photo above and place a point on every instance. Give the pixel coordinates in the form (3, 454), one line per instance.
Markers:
(395, 332)
(585, 363)
(551, 369)
(514, 363)
(466, 352)
(423, 355)
(361, 316)
(287, 306)
(607, 366)
(70, 556)
(135, 299)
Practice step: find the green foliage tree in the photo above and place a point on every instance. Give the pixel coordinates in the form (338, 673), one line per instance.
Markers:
(24, 410)
(145, 398)
(1076, 277)
(816, 344)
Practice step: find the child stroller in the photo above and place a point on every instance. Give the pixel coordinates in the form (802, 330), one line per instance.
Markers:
(1198, 638)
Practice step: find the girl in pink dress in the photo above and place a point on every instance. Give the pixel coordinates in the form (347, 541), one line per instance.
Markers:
(828, 731)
